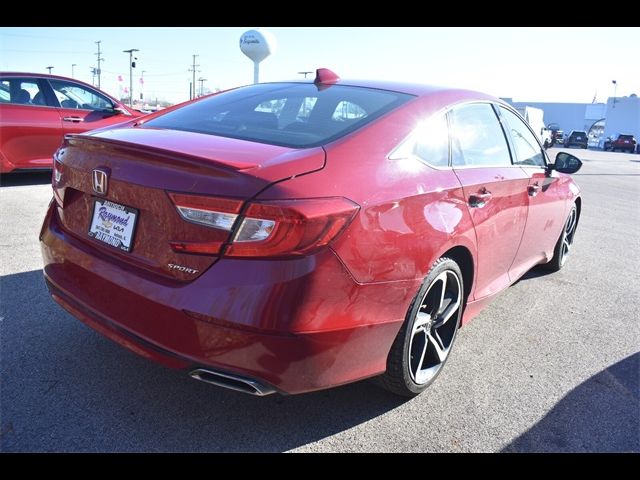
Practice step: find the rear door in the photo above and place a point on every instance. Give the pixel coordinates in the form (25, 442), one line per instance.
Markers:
(30, 127)
(495, 190)
(546, 203)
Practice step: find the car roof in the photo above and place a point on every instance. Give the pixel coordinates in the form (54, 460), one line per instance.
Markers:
(411, 88)
(39, 75)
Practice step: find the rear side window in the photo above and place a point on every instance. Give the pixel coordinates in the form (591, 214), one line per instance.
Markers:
(429, 142)
(295, 115)
(477, 137)
(21, 91)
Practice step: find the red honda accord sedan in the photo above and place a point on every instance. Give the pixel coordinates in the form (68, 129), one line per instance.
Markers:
(37, 110)
(290, 237)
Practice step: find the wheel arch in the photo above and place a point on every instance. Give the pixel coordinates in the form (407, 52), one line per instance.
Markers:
(463, 257)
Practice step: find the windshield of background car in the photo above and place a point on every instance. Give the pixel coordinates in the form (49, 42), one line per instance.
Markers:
(297, 115)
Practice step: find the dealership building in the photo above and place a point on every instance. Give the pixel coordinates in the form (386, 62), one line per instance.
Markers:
(599, 120)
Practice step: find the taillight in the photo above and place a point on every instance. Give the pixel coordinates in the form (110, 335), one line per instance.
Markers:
(277, 228)
(214, 212)
(282, 228)
(56, 177)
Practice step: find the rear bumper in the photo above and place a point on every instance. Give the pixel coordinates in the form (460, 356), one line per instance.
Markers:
(297, 325)
(624, 146)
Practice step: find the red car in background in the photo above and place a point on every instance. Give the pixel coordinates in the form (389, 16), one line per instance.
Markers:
(37, 110)
(623, 142)
(299, 235)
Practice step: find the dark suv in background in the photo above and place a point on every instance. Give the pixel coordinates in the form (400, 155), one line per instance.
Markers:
(577, 138)
(624, 143)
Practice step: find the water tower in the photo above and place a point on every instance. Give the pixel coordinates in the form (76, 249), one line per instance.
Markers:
(257, 45)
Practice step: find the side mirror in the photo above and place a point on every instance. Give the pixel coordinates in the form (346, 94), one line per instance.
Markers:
(565, 163)
(116, 110)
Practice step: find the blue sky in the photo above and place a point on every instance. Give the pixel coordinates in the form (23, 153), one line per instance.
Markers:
(535, 64)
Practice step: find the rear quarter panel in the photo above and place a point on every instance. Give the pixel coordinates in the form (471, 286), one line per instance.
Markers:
(410, 212)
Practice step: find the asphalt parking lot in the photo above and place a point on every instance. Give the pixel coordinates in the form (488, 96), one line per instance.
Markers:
(552, 365)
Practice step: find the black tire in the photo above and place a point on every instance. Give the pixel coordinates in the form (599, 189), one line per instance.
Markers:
(405, 376)
(564, 243)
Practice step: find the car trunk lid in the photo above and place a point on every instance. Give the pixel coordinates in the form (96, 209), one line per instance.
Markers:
(142, 167)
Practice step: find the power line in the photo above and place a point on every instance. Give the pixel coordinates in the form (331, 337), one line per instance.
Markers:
(42, 36)
(66, 52)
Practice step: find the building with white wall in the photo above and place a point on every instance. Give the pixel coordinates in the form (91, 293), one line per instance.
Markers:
(621, 115)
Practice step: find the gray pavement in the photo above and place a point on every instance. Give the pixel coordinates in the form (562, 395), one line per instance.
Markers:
(551, 365)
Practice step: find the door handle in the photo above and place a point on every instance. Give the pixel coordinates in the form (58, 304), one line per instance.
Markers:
(533, 190)
(73, 119)
(479, 200)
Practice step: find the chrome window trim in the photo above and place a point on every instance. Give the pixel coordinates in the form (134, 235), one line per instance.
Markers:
(411, 137)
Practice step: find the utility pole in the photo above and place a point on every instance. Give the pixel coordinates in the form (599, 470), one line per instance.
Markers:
(93, 75)
(100, 59)
(202, 80)
(131, 65)
(72, 70)
(192, 93)
(50, 68)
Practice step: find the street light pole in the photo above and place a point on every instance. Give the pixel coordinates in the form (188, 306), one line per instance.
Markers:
(130, 52)
(72, 70)
(50, 68)
(202, 80)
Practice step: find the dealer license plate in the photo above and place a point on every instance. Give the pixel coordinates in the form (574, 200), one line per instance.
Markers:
(113, 224)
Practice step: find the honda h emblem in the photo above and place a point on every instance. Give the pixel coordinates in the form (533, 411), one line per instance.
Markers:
(100, 179)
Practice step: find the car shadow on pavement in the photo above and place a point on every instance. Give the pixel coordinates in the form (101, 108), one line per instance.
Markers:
(536, 272)
(599, 415)
(25, 178)
(66, 388)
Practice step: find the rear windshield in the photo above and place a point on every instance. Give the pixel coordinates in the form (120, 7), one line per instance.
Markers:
(295, 115)
(625, 137)
(579, 133)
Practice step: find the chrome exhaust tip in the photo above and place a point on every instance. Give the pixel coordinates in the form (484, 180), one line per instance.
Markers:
(232, 382)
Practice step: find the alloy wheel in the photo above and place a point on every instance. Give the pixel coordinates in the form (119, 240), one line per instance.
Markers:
(434, 327)
(568, 234)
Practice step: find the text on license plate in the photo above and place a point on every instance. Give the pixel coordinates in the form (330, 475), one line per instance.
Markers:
(113, 224)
